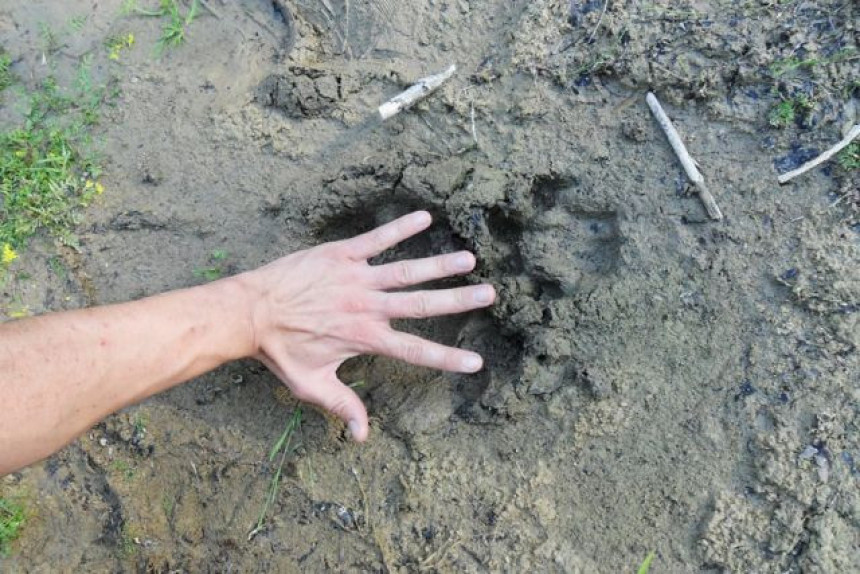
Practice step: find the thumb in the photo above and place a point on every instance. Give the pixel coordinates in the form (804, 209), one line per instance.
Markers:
(341, 401)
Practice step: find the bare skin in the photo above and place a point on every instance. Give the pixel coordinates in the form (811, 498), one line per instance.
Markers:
(302, 316)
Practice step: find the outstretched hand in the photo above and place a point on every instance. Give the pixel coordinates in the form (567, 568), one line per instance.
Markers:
(317, 308)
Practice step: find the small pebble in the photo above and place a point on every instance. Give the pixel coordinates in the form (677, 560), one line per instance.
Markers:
(346, 517)
(823, 467)
(808, 453)
(790, 274)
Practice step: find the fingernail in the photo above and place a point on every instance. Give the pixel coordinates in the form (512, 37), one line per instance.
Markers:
(422, 218)
(484, 295)
(472, 363)
(464, 262)
(354, 428)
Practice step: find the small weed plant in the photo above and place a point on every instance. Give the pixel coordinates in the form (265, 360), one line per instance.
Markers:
(6, 78)
(782, 114)
(215, 269)
(48, 170)
(129, 539)
(177, 20)
(849, 158)
(78, 23)
(11, 521)
(796, 109)
(282, 448)
(116, 45)
(124, 469)
(168, 504)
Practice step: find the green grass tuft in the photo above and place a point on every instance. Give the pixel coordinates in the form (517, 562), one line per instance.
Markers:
(849, 158)
(215, 270)
(791, 110)
(174, 30)
(168, 505)
(11, 521)
(123, 468)
(791, 64)
(43, 184)
(282, 446)
(782, 114)
(6, 77)
(48, 172)
(77, 23)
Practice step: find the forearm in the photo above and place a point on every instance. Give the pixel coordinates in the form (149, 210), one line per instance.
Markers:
(302, 315)
(62, 373)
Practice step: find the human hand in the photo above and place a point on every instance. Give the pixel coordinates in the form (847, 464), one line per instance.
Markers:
(315, 309)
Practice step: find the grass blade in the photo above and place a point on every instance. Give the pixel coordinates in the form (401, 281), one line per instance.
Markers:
(282, 446)
(646, 564)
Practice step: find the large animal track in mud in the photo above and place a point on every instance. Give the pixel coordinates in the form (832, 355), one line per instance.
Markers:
(538, 239)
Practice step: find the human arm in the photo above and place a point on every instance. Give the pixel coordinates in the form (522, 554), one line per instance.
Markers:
(302, 316)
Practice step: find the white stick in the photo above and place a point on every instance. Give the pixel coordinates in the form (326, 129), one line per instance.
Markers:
(474, 129)
(684, 157)
(420, 90)
(812, 164)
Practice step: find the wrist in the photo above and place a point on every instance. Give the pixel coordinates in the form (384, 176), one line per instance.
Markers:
(234, 300)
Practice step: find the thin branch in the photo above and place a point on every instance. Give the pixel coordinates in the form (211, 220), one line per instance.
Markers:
(346, 48)
(687, 162)
(812, 164)
(417, 92)
(474, 128)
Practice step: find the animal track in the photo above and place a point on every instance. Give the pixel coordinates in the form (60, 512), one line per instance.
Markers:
(572, 250)
(539, 240)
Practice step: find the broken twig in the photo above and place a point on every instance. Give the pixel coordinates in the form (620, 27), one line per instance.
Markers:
(420, 90)
(474, 129)
(813, 163)
(687, 162)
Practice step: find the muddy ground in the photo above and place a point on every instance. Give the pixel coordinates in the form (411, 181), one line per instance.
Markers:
(654, 381)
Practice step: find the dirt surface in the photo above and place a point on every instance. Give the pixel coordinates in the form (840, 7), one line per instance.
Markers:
(654, 381)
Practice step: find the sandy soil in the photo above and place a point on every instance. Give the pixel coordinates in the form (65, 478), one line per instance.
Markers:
(655, 380)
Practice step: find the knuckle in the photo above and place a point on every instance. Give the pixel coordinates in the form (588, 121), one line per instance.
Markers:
(339, 406)
(361, 333)
(335, 250)
(354, 304)
(413, 352)
(403, 274)
(420, 306)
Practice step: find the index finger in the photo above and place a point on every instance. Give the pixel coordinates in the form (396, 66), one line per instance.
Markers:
(386, 236)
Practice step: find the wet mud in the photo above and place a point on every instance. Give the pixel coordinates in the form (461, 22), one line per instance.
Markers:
(654, 380)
